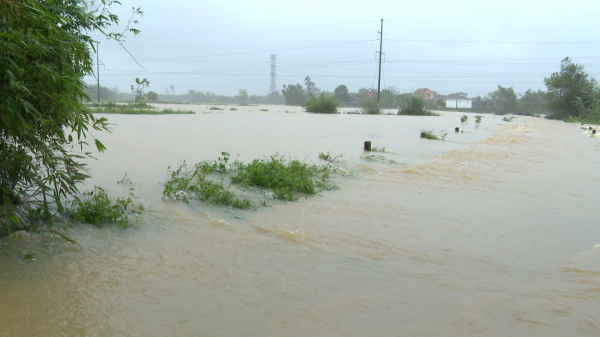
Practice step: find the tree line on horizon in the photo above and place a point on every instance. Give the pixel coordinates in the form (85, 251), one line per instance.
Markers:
(504, 100)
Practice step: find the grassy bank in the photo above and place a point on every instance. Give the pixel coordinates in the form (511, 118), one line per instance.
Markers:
(133, 109)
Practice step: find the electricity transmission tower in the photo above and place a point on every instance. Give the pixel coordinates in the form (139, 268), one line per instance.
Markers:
(272, 85)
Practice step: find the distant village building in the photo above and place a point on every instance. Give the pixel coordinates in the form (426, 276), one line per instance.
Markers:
(424, 92)
(455, 101)
(370, 95)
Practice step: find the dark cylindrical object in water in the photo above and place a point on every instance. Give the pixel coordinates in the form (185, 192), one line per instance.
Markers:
(590, 128)
(368, 145)
(422, 134)
(593, 132)
(456, 129)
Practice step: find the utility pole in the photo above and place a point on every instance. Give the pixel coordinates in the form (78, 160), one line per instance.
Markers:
(380, 52)
(98, 69)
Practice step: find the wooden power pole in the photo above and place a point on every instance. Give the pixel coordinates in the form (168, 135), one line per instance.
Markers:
(380, 52)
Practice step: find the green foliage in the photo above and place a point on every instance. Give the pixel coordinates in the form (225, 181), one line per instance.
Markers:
(341, 93)
(508, 119)
(311, 88)
(214, 108)
(533, 102)
(194, 183)
(324, 156)
(370, 107)
(242, 96)
(44, 55)
(294, 94)
(138, 90)
(428, 134)
(565, 87)
(321, 104)
(284, 177)
(378, 149)
(98, 209)
(135, 109)
(415, 105)
(464, 118)
(478, 119)
(390, 98)
(264, 110)
(30, 256)
(172, 112)
(152, 96)
(506, 100)
(334, 161)
(588, 107)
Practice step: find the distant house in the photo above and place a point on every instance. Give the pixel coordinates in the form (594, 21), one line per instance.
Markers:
(458, 102)
(424, 92)
(370, 95)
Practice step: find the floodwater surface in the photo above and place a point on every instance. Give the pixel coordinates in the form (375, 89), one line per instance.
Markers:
(493, 231)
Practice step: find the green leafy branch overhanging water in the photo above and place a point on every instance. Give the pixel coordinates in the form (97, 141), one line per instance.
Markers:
(45, 53)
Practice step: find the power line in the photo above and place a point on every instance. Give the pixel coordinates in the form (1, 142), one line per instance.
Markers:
(498, 19)
(263, 30)
(495, 42)
(260, 51)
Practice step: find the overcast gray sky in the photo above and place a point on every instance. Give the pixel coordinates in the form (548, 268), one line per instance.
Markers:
(446, 46)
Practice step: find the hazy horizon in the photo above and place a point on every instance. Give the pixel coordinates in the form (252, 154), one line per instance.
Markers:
(222, 47)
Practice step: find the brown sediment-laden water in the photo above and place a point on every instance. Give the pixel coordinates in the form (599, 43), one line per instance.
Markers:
(493, 231)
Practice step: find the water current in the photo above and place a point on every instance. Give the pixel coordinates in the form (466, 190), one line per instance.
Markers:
(492, 232)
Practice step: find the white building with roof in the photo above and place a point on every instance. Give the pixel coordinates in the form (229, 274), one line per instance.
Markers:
(455, 101)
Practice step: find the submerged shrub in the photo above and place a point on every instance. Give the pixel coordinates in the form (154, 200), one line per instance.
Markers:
(283, 177)
(99, 209)
(415, 105)
(370, 107)
(321, 104)
(428, 134)
(194, 183)
(207, 180)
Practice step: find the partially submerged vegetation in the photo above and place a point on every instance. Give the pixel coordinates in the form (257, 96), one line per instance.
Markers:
(429, 134)
(377, 157)
(415, 106)
(133, 109)
(321, 104)
(370, 107)
(97, 209)
(219, 182)
(92, 207)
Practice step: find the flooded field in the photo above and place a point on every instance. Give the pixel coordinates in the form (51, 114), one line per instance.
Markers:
(493, 231)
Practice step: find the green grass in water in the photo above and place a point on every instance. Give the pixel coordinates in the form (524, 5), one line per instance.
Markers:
(213, 181)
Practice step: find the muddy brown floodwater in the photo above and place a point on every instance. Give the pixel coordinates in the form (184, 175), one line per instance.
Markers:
(492, 232)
